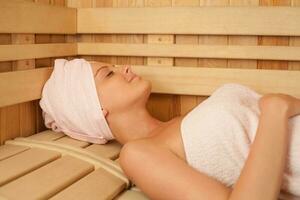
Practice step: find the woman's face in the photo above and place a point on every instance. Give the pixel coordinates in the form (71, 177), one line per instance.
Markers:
(118, 88)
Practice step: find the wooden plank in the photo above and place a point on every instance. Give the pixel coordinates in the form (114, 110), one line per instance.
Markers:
(22, 163)
(47, 180)
(160, 105)
(72, 142)
(47, 135)
(192, 51)
(204, 80)
(27, 110)
(294, 41)
(5, 131)
(58, 38)
(10, 119)
(13, 116)
(273, 40)
(42, 39)
(244, 41)
(132, 194)
(31, 18)
(212, 40)
(8, 150)
(99, 184)
(124, 38)
(31, 81)
(110, 150)
(191, 20)
(167, 80)
(184, 103)
(27, 51)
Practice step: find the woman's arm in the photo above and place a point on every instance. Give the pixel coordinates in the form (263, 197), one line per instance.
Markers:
(162, 175)
(262, 174)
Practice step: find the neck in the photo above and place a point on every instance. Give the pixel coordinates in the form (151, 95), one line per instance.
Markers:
(134, 124)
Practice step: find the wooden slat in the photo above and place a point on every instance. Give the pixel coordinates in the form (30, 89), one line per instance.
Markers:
(185, 103)
(99, 184)
(25, 85)
(132, 194)
(47, 135)
(27, 51)
(203, 81)
(191, 20)
(168, 80)
(110, 150)
(47, 180)
(8, 150)
(72, 142)
(30, 17)
(160, 105)
(25, 113)
(192, 51)
(24, 162)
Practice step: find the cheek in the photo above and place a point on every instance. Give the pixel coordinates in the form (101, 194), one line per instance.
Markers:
(120, 94)
(115, 93)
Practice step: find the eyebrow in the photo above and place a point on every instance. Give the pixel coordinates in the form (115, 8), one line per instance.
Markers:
(99, 70)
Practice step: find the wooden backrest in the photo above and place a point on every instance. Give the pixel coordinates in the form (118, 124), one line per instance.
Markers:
(276, 21)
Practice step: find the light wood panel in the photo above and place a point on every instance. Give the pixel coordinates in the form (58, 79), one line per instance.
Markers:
(211, 46)
(184, 103)
(24, 85)
(30, 17)
(204, 80)
(294, 41)
(160, 105)
(25, 118)
(191, 20)
(192, 51)
(27, 51)
(48, 180)
(49, 61)
(273, 40)
(25, 114)
(243, 41)
(166, 80)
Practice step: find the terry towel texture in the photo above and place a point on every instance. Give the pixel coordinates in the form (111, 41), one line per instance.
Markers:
(70, 102)
(218, 132)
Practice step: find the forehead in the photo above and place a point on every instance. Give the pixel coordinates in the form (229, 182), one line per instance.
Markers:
(98, 65)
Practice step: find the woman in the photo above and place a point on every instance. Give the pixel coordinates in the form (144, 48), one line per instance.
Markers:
(235, 137)
(153, 155)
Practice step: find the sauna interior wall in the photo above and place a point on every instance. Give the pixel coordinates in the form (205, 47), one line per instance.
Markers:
(164, 106)
(25, 119)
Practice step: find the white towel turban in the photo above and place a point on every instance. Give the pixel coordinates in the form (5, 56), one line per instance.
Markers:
(70, 102)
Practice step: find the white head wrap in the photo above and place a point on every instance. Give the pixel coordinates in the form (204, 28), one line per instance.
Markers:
(70, 102)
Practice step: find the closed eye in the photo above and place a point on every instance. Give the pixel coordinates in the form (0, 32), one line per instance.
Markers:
(111, 72)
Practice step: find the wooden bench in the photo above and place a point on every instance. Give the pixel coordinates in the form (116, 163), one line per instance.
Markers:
(52, 165)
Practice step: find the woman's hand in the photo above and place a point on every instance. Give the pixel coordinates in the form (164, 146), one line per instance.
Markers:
(287, 104)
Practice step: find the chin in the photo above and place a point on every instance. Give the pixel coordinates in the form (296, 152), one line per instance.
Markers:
(146, 89)
(148, 85)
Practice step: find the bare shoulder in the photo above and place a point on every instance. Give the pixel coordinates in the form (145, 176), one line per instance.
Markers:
(171, 139)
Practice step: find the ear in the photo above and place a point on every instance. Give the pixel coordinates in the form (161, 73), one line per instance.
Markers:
(105, 112)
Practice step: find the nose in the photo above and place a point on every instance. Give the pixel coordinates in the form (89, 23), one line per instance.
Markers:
(128, 73)
(126, 69)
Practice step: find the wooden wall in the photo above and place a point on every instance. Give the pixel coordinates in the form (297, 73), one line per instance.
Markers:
(25, 119)
(164, 106)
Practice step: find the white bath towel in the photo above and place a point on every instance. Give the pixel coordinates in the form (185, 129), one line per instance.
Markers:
(217, 135)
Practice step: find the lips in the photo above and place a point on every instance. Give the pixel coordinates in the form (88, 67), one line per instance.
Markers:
(134, 76)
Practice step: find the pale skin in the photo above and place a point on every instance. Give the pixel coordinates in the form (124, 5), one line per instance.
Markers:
(154, 148)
